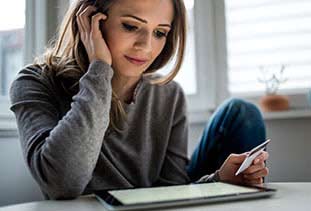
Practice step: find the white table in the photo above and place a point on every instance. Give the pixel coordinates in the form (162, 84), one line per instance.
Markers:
(290, 196)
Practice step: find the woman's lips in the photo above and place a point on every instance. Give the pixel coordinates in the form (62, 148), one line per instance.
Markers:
(136, 61)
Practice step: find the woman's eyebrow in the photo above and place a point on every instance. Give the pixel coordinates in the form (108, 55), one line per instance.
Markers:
(143, 20)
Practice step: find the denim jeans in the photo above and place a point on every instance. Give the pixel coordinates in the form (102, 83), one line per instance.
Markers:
(236, 127)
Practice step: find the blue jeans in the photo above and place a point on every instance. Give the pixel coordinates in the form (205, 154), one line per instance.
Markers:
(235, 127)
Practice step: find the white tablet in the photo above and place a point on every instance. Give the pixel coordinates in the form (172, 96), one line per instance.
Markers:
(178, 195)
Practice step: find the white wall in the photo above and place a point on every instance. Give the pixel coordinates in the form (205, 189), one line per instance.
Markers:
(16, 183)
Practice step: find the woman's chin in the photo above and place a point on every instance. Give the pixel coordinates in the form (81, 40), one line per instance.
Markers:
(129, 72)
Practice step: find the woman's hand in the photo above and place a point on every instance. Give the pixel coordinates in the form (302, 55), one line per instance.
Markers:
(251, 176)
(91, 35)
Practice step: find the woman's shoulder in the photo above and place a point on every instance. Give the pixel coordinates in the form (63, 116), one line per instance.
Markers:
(36, 77)
(33, 72)
(171, 87)
(170, 94)
(31, 78)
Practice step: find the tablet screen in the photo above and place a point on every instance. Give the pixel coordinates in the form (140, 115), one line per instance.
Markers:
(181, 192)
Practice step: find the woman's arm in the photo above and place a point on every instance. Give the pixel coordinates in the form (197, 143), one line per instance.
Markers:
(62, 152)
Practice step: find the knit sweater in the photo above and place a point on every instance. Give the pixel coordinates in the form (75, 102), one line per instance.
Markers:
(69, 149)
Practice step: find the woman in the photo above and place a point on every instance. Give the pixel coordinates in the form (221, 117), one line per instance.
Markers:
(91, 115)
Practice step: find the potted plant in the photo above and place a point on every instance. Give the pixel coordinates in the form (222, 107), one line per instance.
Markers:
(273, 101)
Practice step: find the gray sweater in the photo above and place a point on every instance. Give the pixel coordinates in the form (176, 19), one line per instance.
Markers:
(69, 149)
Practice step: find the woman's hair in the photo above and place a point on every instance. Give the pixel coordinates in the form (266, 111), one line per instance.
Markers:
(68, 59)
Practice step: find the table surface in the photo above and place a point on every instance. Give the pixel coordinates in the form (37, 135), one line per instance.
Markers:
(290, 196)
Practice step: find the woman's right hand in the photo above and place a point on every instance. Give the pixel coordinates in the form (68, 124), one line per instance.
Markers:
(91, 35)
(251, 176)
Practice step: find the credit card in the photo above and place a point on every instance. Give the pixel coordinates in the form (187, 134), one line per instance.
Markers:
(251, 156)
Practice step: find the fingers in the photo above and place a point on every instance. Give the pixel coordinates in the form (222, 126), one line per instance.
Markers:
(79, 19)
(86, 26)
(256, 181)
(95, 24)
(83, 18)
(258, 163)
(237, 158)
(258, 174)
(254, 168)
(261, 158)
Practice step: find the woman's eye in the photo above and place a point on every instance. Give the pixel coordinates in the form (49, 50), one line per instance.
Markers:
(129, 27)
(160, 34)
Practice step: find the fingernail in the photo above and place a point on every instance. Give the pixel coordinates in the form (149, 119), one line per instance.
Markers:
(256, 161)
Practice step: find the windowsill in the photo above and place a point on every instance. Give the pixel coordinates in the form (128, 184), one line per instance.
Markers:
(295, 113)
(7, 118)
(8, 123)
(198, 117)
(300, 108)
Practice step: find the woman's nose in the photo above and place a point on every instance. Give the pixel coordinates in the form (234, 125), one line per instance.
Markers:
(144, 42)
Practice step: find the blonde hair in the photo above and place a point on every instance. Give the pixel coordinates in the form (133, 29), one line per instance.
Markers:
(68, 60)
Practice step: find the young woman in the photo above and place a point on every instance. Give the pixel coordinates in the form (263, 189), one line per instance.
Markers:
(92, 115)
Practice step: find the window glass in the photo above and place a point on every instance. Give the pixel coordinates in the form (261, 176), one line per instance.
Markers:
(263, 36)
(11, 42)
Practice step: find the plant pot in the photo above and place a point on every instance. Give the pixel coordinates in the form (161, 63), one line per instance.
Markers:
(274, 103)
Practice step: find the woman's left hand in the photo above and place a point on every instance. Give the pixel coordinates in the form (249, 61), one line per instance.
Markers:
(253, 175)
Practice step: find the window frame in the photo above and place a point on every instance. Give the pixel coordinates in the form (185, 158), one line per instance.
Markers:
(37, 32)
(201, 104)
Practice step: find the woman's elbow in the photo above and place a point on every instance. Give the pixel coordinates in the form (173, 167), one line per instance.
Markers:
(63, 193)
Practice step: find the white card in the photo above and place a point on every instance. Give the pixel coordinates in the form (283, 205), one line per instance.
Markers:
(251, 156)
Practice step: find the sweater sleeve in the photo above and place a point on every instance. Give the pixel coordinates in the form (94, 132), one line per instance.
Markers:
(62, 152)
(174, 166)
(209, 178)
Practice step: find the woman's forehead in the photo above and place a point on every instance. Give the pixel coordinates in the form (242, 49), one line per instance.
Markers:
(162, 10)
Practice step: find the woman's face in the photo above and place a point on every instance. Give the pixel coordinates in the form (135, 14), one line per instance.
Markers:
(135, 32)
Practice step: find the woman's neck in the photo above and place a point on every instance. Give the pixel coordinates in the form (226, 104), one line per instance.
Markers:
(124, 87)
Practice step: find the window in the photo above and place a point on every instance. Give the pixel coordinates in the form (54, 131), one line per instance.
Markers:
(23, 35)
(11, 42)
(11, 54)
(187, 74)
(268, 34)
(200, 61)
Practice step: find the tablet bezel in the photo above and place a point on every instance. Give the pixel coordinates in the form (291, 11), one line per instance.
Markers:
(113, 203)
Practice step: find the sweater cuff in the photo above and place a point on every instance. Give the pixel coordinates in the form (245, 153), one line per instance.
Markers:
(209, 178)
(99, 67)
